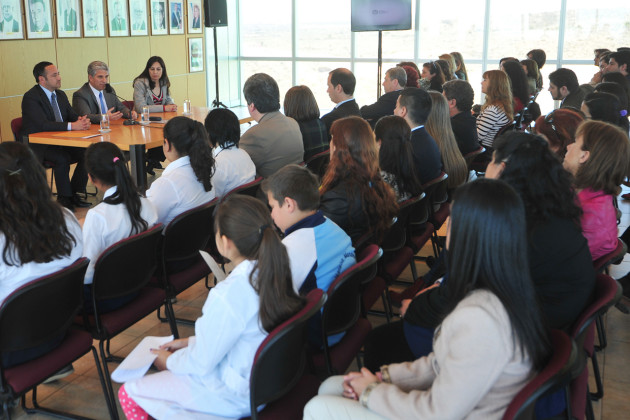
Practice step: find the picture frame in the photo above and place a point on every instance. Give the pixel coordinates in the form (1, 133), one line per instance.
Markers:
(138, 17)
(195, 55)
(39, 22)
(176, 17)
(118, 18)
(68, 19)
(11, 22)
(93, 18)
(159, 21)
(195, 17)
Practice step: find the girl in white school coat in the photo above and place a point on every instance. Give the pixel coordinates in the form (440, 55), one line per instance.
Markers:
(187, 181)
(207, 375)
(122, 213)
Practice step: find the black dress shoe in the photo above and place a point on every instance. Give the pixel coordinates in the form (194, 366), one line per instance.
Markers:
(66, 202)
(78, 202)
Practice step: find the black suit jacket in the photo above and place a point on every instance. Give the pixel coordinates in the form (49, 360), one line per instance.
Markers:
(465, 130)
(346, 109)
(383, 106)
(426, 155)
(84, 103)
(38, 115)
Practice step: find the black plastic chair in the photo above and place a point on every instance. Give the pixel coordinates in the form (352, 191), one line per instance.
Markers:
(35, 314)
(251, 189)
(319, 163)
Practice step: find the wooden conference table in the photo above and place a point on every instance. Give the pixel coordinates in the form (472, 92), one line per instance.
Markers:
(136, 139)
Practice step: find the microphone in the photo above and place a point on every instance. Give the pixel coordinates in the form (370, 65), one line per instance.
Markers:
(110, 89)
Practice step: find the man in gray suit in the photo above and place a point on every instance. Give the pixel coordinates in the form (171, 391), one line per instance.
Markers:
(97, 97)
(276, 140)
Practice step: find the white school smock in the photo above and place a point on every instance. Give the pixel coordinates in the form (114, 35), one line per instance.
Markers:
(211, 375)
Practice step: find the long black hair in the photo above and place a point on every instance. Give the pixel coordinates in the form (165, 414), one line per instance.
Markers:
(164, 81)
(488, 250)
(106, 163)
(33, 225)
(189, 138)
(536, 173)
(247, 222)
(518, 80)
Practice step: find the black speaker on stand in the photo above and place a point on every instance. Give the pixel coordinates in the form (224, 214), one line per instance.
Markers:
(215, 14)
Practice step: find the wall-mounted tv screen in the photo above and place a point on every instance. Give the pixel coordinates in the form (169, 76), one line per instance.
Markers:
(381, 15)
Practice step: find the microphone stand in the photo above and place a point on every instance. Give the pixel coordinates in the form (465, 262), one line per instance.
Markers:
(216, 103)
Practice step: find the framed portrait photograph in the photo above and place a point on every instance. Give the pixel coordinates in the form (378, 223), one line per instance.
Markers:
(117, 13)
(38, 19)
(176, 13)
(11, 24)
(195, 13)
(195, 54)
(68, 19)
(138, 17)
(158, 17)
(93, 22)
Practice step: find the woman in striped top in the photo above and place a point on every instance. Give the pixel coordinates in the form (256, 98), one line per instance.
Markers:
(498, 110)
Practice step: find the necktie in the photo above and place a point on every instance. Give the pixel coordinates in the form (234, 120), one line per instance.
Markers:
(103, 107)
(55, 107)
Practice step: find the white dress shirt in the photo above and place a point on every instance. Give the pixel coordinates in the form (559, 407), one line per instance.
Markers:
(233, 168)
(13, 277)
(107, 224)
(177, 191)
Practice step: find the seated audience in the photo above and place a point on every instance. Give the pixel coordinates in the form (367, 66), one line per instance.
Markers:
(409, 64)
(452, 65)
(393, 137)
(446, 70)
(30, 217)
(597, 77)
(341, 83)
(599, 161)
(491, 323)
(353, 194)
(460, 72)
(604, 106)
(208, 373)
(395, 80)
(413, 77)
(187, 181)
(460, 97)
(498, 110)
(540, 57)
(276, 140)
(619, 61)
(152, 88)
(414, 105)
(121, 214)
(618, 78)
(564, 86)
(300, 104)
(533, 76)
(233, 166)
(432, 77)
(558, 128)
(518, 84)
(439, 127)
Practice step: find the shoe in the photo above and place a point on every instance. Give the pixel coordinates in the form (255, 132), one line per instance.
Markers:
(78, 202)
(625, 196)
(66, 202)
(149, 170)
(68, 370)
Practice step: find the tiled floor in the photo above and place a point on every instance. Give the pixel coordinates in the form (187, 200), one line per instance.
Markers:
(81, 392)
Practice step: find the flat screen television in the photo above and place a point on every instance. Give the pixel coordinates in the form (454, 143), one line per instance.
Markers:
(380, 15)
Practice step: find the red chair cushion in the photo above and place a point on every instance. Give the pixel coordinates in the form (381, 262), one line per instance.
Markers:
(184, 279)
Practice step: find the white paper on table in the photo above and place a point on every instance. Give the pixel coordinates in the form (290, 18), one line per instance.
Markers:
(138, 362)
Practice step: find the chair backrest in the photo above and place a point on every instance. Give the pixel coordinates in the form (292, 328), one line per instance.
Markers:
(555, 375)
(613, 257)
(607, 292)
(126, 266)
(128, 104)
(436, 188)
(396, 235)
(16, 127)
(42, 309)
(470, 156)
(343, 307)
(319, 163)
(188, 233)
(250, 189)
(507, 127)
(280, 359)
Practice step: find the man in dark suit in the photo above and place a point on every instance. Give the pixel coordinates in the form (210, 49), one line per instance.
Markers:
(341, 84)
(45, 107)
(395, 80)
(460, 97)
(96, 97)
(414, 105)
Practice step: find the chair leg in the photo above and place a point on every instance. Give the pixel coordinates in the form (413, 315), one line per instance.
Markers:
(170, 315)
(601, 333)
(108, 380)
(109, 399)
(590, 415)
(599, 390)
(414, 273)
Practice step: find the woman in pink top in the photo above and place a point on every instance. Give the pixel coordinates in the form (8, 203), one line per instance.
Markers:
(599, 160)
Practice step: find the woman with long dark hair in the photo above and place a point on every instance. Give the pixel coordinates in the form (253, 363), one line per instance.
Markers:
(604, 106)
(492, 334)
(353, 194)
(432, 77)
(152, 88)
(518, 83)
(187, 182)
(395, 156)
(209, 372)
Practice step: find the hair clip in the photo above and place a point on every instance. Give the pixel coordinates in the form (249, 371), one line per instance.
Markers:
(116, 159)
(623, 112)
(262, 229)
(17, 171)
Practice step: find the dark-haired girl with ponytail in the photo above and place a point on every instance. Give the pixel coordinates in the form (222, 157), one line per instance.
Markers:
(187, 181)
(209, 372)
(122, 213)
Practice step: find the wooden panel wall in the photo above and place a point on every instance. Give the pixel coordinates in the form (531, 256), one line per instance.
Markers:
(126, 57)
